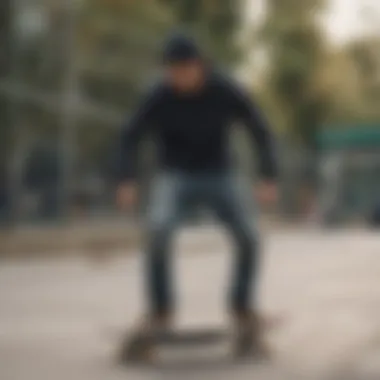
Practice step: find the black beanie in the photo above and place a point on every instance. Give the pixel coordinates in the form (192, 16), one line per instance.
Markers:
(180, 48)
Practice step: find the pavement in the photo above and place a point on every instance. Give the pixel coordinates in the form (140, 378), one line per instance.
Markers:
(62, 318)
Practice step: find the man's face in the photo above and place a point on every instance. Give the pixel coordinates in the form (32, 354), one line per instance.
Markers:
(186, 76)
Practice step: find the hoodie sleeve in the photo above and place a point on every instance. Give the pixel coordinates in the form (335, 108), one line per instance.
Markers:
(135, 128)
(246, 111)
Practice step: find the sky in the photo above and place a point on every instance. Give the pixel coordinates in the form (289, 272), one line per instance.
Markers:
(349, 18)
(344, 19)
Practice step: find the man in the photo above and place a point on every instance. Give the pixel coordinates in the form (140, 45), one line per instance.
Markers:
(190, 113)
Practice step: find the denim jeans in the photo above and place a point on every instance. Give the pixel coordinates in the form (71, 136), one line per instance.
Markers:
(173, 195)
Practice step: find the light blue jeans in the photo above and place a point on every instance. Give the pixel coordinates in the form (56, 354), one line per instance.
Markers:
(172, 196)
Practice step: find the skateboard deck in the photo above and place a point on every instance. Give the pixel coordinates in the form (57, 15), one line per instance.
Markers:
(143, 349)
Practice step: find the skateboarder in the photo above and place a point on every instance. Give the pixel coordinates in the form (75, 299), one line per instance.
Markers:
(190, 112)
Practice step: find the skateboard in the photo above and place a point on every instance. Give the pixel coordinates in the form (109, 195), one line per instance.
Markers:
(142, 349)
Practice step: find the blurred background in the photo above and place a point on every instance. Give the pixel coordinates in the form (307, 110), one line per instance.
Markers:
(71, 72)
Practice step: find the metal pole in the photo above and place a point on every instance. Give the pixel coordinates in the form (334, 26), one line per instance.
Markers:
(15, 167)
(68, 116)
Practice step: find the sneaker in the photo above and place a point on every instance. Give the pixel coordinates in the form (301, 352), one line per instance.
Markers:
(249, 330)
(138, 346)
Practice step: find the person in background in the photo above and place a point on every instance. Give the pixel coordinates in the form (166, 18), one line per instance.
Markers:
(190, 112)
(375, 216)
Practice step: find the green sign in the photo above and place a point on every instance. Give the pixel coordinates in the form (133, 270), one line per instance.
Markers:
(350, 137)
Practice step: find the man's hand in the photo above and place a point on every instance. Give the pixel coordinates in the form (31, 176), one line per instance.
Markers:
(126, 195)
(267, 193)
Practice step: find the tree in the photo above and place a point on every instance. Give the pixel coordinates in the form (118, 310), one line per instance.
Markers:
(5, 41)
(118, 46)
(118, 43)
(351, 77)
(339, 78)
(214, 22)
(296, 51)
(365, 56)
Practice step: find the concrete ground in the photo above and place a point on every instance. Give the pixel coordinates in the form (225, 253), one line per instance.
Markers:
(61, 319)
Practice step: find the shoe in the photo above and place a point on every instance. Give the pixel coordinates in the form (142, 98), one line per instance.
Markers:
(138, 347)
(248, 332)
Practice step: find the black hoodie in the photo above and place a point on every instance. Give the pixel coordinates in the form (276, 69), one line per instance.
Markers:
(192, 131)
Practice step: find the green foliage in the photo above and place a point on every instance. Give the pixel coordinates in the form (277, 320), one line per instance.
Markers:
(4, 71)
(296, 52)
(365, 56)
(214, 23)
(118, 44)
(351, 76)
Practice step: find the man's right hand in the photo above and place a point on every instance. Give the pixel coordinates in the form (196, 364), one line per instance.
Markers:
(126, 195)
